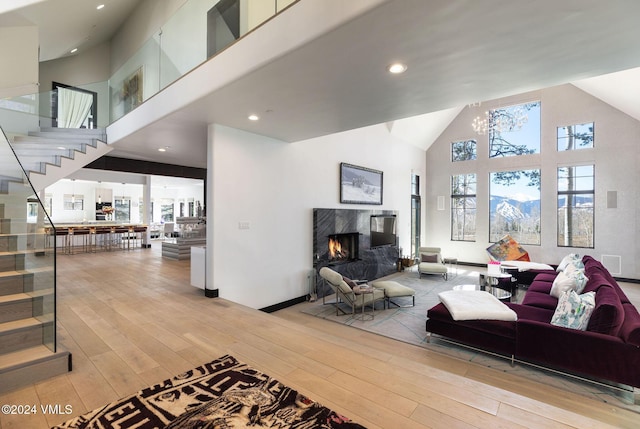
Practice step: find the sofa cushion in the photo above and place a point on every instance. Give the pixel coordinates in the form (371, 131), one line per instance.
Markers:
(527, 312)
(506, 329)
(540, 300)
(630, 330)
(596, 280)
(573, 310)
(593, 266)
(546, 276)
(608, 314)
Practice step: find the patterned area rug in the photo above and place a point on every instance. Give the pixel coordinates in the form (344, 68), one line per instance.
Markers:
(408, 325)
(221, 394)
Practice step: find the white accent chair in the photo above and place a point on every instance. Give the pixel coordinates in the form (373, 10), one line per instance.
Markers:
(168, 230)
(431, 262)
(344, 293)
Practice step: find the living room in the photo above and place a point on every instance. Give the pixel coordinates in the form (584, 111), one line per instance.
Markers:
(261, 193)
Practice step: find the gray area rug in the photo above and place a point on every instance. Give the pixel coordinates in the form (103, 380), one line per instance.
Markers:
(408, 325)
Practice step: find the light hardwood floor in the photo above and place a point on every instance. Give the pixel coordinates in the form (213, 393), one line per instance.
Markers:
(131, 319)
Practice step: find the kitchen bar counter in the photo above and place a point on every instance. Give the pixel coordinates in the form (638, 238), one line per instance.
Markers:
(95, 236)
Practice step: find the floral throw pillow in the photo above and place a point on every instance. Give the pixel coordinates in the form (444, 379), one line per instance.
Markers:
(573, 310)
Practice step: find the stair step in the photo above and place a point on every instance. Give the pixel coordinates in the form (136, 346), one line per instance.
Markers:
(8, 242)
(74, 131)
(12, 261)
(20, 334)
(22, 151)
(65, 136)
(33, 141)
(12, 282)
(15, 307)
(5, 225)
(31, 365)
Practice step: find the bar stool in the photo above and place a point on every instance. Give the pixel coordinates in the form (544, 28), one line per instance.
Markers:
(64, 234)
(119, 236)
(137, 234)
(83, 233)
(103, 238)
(92, 239)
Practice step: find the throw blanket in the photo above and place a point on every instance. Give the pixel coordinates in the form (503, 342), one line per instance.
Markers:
(224, 393)
(475, 305)
(525, 266)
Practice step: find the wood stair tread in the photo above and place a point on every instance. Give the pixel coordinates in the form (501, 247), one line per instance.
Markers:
(14, 273)
(23, 357)
(16, 325)
(16, 297)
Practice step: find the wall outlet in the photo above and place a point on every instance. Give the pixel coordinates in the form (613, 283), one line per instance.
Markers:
(243, 225)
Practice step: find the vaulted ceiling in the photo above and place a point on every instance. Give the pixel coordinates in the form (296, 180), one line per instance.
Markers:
(457, 51)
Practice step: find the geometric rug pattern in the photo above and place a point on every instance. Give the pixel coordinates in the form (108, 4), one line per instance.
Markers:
(408, 325)
(224, 393)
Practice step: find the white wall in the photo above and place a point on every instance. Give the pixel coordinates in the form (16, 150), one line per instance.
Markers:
(273, 186)
(19, 47)
(615, 156)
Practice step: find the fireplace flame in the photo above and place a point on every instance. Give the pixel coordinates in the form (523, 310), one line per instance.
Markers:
(335, 249)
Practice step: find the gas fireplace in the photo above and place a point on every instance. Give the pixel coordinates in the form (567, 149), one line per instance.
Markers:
(344, 247)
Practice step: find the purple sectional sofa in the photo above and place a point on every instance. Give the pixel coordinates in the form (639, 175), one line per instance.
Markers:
(609, 350)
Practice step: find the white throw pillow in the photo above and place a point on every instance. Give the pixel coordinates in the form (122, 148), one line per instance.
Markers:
(562, 283)
(570, 258)
(573, 310)
(576, 273)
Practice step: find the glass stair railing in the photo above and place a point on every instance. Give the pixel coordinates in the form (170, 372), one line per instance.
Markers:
(28, 349)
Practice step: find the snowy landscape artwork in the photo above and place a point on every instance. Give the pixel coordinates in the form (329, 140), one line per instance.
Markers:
(360, 185)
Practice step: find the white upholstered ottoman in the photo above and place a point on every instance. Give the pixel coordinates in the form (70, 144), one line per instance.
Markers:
(395, 290)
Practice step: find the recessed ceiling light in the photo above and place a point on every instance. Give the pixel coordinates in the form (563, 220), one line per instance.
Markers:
(397, 68)
(100, 6)
(254, 117)
(62, 148)
(163, 149)
(74, 50)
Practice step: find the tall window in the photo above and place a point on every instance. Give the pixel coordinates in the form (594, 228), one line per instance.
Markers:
(515, 206)
(166, 211)
(141, 210)
(576, 206)
(514, 130)
(415, 214)
(464, 150)
(122, 209)
(463, 207)
(48, 203)
(574, 137)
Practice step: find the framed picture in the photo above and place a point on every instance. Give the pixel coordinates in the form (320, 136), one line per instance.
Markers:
(360, 185)
(132, 91)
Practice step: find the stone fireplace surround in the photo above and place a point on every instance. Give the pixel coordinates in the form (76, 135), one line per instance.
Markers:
(371, 263)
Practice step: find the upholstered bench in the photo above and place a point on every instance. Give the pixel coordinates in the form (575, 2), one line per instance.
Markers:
(395, 290)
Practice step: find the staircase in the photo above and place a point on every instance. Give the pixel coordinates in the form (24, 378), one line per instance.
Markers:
(52, 154)
(27, 306)
(28, 344)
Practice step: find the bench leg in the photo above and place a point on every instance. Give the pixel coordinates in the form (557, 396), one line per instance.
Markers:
(413, 304)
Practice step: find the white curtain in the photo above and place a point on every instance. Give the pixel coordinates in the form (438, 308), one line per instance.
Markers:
(73, 107)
